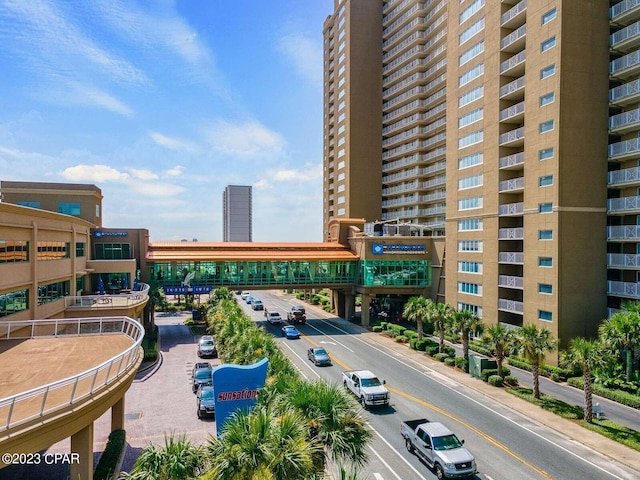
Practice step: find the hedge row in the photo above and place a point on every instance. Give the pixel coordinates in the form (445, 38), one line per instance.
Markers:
(620, 396)
(556, 374)
(487, 372)
(111, 455)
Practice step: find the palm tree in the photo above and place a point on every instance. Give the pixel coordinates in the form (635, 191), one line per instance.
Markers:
(533, 343)
(501, 340)
(622, 332)
(442, 316)
(587, 355)
(417, 310)
(179, 459)
(466, 321)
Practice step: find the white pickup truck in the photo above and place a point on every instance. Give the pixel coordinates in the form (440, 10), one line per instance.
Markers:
(439, 448)
(366, 386)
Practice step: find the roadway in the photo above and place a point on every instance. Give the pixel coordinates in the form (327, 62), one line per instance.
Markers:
(507, 444)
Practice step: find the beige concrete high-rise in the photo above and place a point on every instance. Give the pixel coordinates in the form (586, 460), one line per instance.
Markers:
(510, 99)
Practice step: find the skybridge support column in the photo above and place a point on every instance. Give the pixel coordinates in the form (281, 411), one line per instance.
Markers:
(349, 306)
(82, 445)
(117, 415)
(366, 303)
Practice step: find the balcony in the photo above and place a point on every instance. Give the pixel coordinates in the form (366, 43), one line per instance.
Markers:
(513, 90)
(515, 41)
(625, 150)
(128, 299)
(514, 66)
(623, 206)
(515, 16)
(625, 94)
(511, 281)
(624, 289)
(511, 258)
(625, 122)
(511, 233)
(623, 262)
(513, 114)
(626, 66)
(512, 185)
(512, 162)
(512, 306)
(623, 233)
(512, 138)
(626, 39)
(625, 11)
(509, 209)
(624, 178)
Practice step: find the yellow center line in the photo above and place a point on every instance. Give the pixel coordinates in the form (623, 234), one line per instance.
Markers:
(446, 414)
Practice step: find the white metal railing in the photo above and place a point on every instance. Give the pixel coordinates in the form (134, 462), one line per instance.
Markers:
(625, 119)
(23, 407)
(513, 36)
(623, 204)
(511, 209)
(624, 289)
(622, 7)
(623, 232)
(625, 90)
(511, 233)
(511, 62)
(511, 184)
(511, 87)
(623, 63)
(511, 160)
(513, 12)
(511, 136)
(511, 257)
(623, 260)
(511, 111)
(624, 34)
(120, 300)
(628, 175)
(510, 305)
(625, 147)
(510, 281)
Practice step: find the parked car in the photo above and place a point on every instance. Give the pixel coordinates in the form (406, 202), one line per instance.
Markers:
(207, 347)
(289, 331)
(244, 295)
(206, 401)
(273, 317)
(238, 292)
(319, 356)
(249, 299)
(201, 376)
(257, 304)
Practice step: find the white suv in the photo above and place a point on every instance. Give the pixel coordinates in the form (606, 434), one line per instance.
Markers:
(273, 318)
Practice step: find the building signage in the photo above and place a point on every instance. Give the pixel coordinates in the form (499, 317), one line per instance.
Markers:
(201, 289)
(380, 248)
(237, 387)
(99, 233)
(175, 290)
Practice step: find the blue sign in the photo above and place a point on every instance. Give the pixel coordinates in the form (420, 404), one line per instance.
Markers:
(99, 233)
(237, 387)
(175, 290)
(201, 289)
(380, 248)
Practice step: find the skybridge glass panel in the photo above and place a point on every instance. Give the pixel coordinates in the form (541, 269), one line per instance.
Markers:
(395, 273)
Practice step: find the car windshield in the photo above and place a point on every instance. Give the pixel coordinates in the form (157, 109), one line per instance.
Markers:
(206, 394)
(448, 442)
(320, 351)
(274, 314)
(207, 343)
(371, 382)
(203, 374)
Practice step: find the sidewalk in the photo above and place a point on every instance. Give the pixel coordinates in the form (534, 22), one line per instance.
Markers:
(616, 451)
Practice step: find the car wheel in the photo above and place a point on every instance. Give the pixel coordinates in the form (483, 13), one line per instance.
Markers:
(363, 403)
(439, 472)
(409, 445)
(199, 414)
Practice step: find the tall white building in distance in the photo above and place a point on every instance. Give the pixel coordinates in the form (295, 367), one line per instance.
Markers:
(236, 213)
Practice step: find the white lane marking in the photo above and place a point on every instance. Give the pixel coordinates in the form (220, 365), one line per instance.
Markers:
(378, 476)
(442, 378)
(385, 464)
(303, 361)
(398, 454)
(551, 442)
(329, 336)
(330, 343)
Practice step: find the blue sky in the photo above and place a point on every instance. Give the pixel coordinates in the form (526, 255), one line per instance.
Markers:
(161, 104)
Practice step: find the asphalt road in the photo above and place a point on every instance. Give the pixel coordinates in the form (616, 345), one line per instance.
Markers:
(506, 444)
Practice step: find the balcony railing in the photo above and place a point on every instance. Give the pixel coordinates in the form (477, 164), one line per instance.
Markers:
(623, 261)
(625, 93)
(626, 65)
(513, 62)
(618, 233)
(625, 121)
(512, 87)
(513, 37)
(623, 289)
(512, 306)
(628, 35)
(513, 111)
(511, 233)
(513, 13)
(626, 7)
(627, 148)
(515, 258)
(511, 185)
(628, 176)
(122, 300)
(23, 407)
(510, 281)
(512, 136)
(624, 204)
(512, 160)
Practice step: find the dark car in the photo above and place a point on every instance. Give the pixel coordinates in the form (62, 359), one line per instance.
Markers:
(207, 347)
(205, 399)
(289, 331)
(202, 376)
(297, 314)
(319, 356)
(257, 304)
(200, 365)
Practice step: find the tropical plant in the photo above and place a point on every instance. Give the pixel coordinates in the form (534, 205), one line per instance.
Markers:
(622, 332)
(501, 341)
(179, 459)
(533, 343)
(466, 321)
(588, 356)
(417, 310)
(442, 316)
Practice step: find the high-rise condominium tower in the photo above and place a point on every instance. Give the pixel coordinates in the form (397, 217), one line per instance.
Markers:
(509, 126)
(236, 214)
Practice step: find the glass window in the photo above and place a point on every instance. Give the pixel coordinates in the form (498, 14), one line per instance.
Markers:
(470, 96)
(112, 251)
(341, 188)
(341, 141)
(341, 152)
(470, 182)
(341, 199)
(547, 71)
(395, 273)
(545, 126)
(53, 250)
(545, 262)
(550, 15)
(341, 176)
(545, 288)
(547, 99)
(545, 234)
(545, 181)
(470, 117)
(52, 291)
(69, 208)
(470, 267)
(470, 203)
(472, 308)
(29, 204)
(545, 207)
(545, 153)
(548, 44)
(470, 245)
(471, 31)
(544, 315)
(341, 105)
(14, 251)
(470, 10)
(80, 249)
(470, 160)
(469, 224)
(470, 288)
(472, 53)
(341, 211)
(341, 164)
(13, 302)
(471, 139)
(471, 74)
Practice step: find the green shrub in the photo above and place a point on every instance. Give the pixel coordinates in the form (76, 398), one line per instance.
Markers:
(300, 295)
(171, 308)
(620, 396)
(398, 328)
(315, 299)
(402, 339)
(377, 329)
(496, 380)
(327, 308)
(109, 459)
(391, 333)
(487, 372)
(384, 325)
(519, 363)
(511, 380)
(441, 357)
(462, 364)
(450, 361)
(412, 343)
(449, 350)
(421, 345)
(410, 334)
(431, 349)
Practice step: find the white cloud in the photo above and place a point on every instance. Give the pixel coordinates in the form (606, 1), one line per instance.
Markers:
(246, 140)
(143, 174)
(262, 184)
(310, 172)
(306, 56)
(93, 173)
(176, 171)
(87, 95)
(172, 143)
